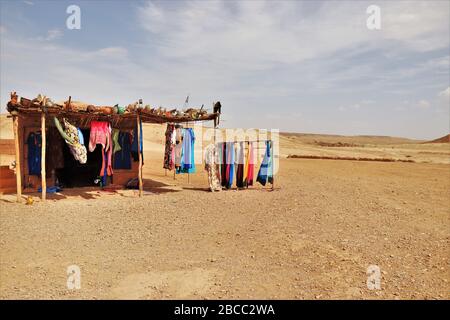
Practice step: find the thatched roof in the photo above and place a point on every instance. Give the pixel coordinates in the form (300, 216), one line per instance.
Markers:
(81, 115)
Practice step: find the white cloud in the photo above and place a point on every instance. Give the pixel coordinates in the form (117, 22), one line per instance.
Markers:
(355, 106)
(423, 104)
(109, 52)
(51, 35)
(420, 25)
(257, 57)
(100, 76)
(257, 34)
(444, 101)
(445, 93)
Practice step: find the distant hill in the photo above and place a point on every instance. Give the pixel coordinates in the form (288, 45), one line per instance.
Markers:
(444, 139)
(323, 139)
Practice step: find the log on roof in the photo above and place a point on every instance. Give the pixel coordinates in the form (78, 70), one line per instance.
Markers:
(83, 116)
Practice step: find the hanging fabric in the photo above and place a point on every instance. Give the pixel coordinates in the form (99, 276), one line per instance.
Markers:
(249, 165)
(115, 138)
(80, 136)
(34, 143)
(212, 167)
(266, 170)
(230, 154)
(187, 164)
(240, 159)
(178, 149)
(122, 158)
(70, 135)
(223, 163)
(101, 134)
(100, 131)
(169, 161)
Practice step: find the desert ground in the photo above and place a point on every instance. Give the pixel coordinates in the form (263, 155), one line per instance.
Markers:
(312, 237)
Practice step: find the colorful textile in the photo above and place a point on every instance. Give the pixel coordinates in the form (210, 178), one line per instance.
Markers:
(80, 136)
(100, 131)
(178, 149)
(212, 168)
(249, 165)
(223, 166)
(187, 164)
(70, 135)
(115, 139)
(77, 149)
(240, 161)
(101, 134)
(169, 161)
(230, 156)
(52, 189)
(34, 143)
(122, 158)
(266, 170)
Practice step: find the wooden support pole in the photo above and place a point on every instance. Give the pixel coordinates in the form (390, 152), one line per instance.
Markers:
(17, 152)
(43, 146)
(140, 154)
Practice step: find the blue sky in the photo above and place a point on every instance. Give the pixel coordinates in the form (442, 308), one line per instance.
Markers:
(300, 66)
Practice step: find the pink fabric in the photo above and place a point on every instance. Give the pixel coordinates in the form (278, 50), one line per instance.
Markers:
(101, 134)
(251, 164)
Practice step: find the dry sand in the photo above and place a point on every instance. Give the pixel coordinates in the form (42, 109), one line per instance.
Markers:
(313, 237)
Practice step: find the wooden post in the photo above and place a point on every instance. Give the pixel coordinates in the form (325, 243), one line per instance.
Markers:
(140, 154)
(43, 144)
(17, 152)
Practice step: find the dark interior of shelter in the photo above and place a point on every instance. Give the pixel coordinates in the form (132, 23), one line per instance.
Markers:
(75, 174)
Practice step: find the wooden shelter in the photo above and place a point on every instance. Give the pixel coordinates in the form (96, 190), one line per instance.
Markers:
(38, 115)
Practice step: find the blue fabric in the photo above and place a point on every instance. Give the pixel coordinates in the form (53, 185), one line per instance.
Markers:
(265, 172)
(231, 155)
(34, 142)
(53, 189)
(187, 164)
(80, 136)
(122, 158)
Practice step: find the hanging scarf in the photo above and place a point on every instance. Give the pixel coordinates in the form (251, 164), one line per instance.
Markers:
(249, 165)
(101, 134)
(212, 168)
(266, 170)
(187, 164)
(230, 156)
(70, 135)
(115, 139)
(240, 165)
(169, 161)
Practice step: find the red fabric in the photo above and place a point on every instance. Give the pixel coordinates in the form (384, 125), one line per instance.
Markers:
(251, 164)
(101, 134)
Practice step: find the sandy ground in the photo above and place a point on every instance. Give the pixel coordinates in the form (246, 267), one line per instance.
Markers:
(313, 237)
